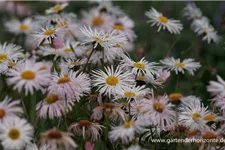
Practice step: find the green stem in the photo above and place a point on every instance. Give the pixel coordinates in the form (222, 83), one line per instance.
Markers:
(173, 44)
(177, 82)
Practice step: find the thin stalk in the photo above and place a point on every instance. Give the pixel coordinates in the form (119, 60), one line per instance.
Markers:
(172, 46)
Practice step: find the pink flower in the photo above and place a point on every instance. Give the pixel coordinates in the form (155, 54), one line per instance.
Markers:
(89, 146)
(58, 42)
(162, 76)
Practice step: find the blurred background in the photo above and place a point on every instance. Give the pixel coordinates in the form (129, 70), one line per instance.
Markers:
(154, 45)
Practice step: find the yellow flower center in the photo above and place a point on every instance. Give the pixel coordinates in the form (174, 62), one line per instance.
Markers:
(112, 80)
(196, 116)
(208, 135)
(49, 32)
(2, 113)
(86, 51)
(158, 106)
(180, 65)
(76, 63)
(50, 99)
(163, 19)
(3, 57)
(130, 94)
(142, 78)
(57, 8)
(193, 132)
(139, 65)
(98, 21)
(107, 36)
(63, 80)
(68, 50)
(118, 27)
(175, 96)
(24, 27)
(209, 117)
(97, 39)
(11, 63)
(118, 45)
(128, 124)
(27, 75)
(14, 134)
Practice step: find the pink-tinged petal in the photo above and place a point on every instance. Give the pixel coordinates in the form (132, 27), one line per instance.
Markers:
(89, 146)
(58, 42)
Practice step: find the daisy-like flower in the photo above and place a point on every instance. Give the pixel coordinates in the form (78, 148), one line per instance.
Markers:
(193, 114)
(65, 52)
(17, 27)
(28, 75)
(70, 85)
(125, 25)
(48, 34)
(70, 63)
(162, 75)
(107, 6)
(10, 51)
(191, 11)
(219, 102)
(132, 93)
(125, 132)
(88, 130)
(55, 138)
(113, 110)
(203, 27)
(15, 133)
(180, 66)
(9, 108)
(216, 88)
(108, 82)
(56, 9)
(98, 20)
(157, 18)
(106, 40)
(53, 106)
(141, 67)
(159, 111)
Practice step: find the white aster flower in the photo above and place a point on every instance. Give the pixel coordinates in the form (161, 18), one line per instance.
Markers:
(71, 63)
(107, 6)
(132, 93)
(159, 111)
(193, 114)
(180, 66)
(53, 106)
(48, 34)
(113, 110)
(88, 130)
(141, 67)
(71, 85)
(10, 51)
(9, 108)
(17, 27)
(97, 20)
(125, 25)
(54, 137)
(57, 8)
(15, 133)
(106, 40)
(203, 27)
(107, 82)
(219, 102)
(157, 18)
(125, 132)
(191, 11)
(216, 87)
(28, 75)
